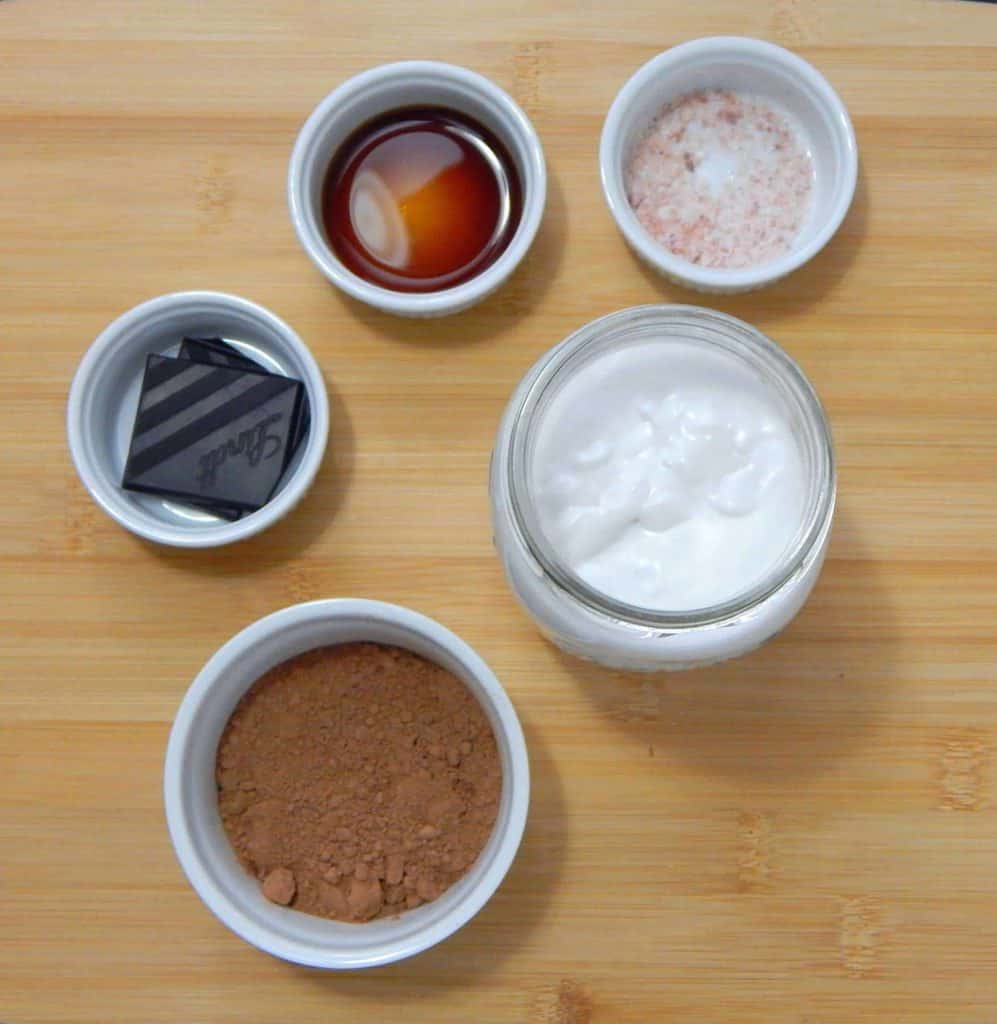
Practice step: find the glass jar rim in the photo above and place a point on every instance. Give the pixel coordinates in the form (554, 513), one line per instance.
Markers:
(738, 338)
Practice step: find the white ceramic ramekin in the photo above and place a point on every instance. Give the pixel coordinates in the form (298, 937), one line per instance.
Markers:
(743, 65)
(192, 804)
(105, 393)
(389, 87)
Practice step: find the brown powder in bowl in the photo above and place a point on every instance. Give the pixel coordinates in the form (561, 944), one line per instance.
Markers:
(357, 781)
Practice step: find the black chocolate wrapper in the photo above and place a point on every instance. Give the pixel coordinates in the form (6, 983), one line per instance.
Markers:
(226, 512)
(220, 353)
(212, 435)
(304, 423)
(217, 352)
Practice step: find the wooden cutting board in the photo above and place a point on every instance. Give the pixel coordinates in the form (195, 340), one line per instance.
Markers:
(806, 835)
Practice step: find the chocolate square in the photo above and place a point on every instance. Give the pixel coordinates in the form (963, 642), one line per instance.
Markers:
(217, 352)
(212, 435)
(221, 353)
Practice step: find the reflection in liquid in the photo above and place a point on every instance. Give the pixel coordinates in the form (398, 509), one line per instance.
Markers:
(377, 220)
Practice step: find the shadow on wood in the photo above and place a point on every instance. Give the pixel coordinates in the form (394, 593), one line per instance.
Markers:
(785, 711)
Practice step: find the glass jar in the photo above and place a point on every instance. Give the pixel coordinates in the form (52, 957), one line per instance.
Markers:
(583, 620)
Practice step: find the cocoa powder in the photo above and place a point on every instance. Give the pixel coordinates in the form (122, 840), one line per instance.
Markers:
(357, 781)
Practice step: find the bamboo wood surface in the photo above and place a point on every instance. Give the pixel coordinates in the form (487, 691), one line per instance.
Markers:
(806, 835)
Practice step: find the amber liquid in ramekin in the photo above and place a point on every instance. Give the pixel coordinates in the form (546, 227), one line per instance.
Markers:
(421, 199)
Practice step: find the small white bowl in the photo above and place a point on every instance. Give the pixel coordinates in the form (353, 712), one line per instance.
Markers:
(191, 798)
(105, 393)
(390, 87)
(742, 65)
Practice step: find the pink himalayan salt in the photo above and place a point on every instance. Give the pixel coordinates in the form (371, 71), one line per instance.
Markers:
(721, 179)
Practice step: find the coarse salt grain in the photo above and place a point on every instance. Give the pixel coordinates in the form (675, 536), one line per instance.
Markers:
(721, 179)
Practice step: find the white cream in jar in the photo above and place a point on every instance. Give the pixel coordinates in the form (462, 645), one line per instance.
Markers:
(667, 476)
(662, 489)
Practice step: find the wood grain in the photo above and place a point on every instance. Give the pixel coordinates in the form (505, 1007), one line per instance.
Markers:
(807, 835)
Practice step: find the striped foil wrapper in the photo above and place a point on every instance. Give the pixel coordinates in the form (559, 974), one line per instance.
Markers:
(212, 434)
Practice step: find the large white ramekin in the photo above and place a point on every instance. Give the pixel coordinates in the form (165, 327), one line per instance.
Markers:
(191, 798)
(390, 87)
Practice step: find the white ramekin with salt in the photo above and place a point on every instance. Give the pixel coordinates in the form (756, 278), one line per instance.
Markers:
(728, 163)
